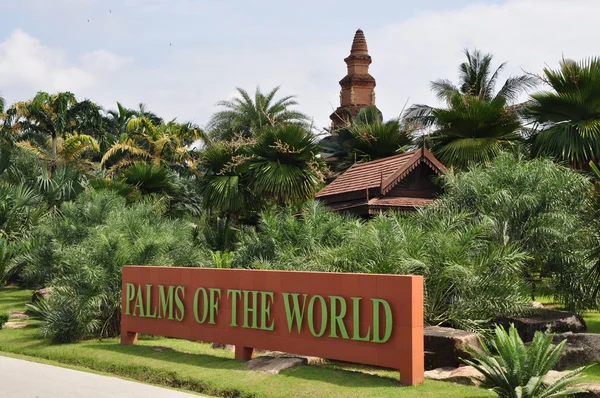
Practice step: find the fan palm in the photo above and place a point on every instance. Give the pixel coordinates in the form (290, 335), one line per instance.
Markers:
(225, 185)
(518, 371)
(478, 122)
(568, 117)
(284, 165)
(247, 116)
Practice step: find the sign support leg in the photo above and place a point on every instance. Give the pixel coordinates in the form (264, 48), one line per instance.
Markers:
(243, 353)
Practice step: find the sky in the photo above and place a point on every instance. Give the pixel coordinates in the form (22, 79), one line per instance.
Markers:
(180, 57)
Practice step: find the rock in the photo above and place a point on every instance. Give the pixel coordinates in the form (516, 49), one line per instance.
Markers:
(14, 325)
(274, 365)
(445, 346)
(536, 304)
(581, 349)
(20, 315)
(465, 375)
(544, 320)
(221, 346)
(593, 390)
(41, 294)
(553, 376)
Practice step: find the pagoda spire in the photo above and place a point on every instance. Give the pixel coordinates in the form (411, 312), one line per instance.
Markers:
(358, 85)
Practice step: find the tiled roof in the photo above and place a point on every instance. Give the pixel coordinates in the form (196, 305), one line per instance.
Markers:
(361, 176)
(400, 202)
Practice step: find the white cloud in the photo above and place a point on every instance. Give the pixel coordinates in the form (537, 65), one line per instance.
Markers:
(186, 80)
(28, 66)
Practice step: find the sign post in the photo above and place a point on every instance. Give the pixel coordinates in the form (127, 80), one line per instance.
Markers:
(362, 318)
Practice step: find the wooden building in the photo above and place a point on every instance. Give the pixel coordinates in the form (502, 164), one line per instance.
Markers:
(400, 183)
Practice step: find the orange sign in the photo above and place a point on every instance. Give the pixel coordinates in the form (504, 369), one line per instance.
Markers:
(362, 318)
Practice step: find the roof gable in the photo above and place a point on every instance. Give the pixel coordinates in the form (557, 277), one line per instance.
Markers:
(383, 173)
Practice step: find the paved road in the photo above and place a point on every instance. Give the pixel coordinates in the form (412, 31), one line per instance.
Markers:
(23, 379)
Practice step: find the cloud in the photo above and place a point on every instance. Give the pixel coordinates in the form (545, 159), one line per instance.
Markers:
(186, 80)
(28, 66)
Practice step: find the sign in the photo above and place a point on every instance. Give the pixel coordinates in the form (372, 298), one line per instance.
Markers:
(362, 318)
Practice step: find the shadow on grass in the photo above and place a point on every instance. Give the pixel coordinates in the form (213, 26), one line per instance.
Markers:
(346, 378)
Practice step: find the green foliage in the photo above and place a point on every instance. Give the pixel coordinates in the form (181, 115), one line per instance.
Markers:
(366, 137)
(284, 165)
(513, 370)
(91, 239)
(247, 117)
(3, 318)
(468, 280)
(568, 117)
(538, 206)
(477, 123)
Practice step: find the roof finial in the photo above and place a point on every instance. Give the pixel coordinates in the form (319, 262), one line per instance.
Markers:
(359, 45)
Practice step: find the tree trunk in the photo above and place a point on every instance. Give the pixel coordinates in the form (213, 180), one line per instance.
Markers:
(53, 158)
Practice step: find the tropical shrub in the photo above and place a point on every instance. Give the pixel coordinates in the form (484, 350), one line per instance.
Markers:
(513, 370)
(539, 206)
(468, 278)
(92, 239)
(3, 318)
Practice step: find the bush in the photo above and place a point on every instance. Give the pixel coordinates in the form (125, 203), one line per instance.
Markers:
(513, 370)
(539, 206)
(3, 318)
(86, 273)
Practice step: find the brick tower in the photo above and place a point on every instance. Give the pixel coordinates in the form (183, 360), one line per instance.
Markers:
(358, 85)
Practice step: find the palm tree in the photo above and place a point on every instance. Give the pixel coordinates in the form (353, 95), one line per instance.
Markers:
(567, 118)
(225, 185)
(477, 123)
(366, 137)
(284, 166)
(146, 142)
(55, 116)
(70, 151)
(247, 116)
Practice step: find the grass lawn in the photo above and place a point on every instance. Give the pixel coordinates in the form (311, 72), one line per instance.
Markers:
(196, 367)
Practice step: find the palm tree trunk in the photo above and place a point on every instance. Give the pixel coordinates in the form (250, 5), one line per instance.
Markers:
(53, 158)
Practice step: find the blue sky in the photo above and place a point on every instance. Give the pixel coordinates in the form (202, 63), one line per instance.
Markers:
(182, 56)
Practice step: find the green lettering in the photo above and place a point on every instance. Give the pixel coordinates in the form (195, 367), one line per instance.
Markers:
(235, 295)
(266, 298)
(204, 300)
(311, 315)
(139, 302)
(388, 321)
(179, 303)
(130, 296)
(165, 305)
(296, 315)
(337, 320)
(248, 310)
(214, 304)
(356, 319)
(149, 313)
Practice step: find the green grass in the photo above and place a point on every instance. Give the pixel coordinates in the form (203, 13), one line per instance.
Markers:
(196, 367)
(13, 299)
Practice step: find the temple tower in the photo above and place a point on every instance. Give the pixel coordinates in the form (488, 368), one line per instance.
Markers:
(358, 85)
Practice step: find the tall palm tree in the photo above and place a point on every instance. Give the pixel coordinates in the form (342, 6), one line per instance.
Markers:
(70, 151)
(567, 118)
(284, 166)
(247, 116)
(366, 137)
(478, 122)
(55, 116)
